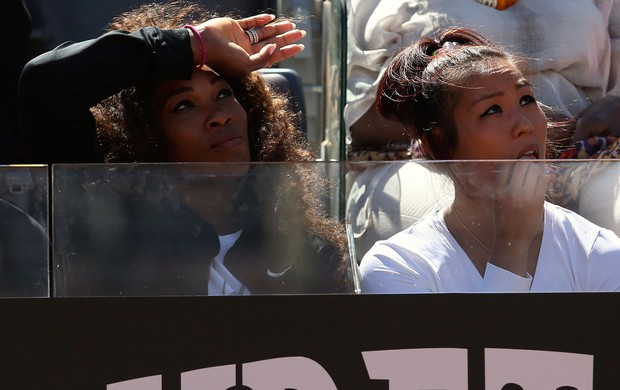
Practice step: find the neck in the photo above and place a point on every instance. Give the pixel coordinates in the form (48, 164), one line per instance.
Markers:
(468, 229)
(473, 229)
(482, 230)
(215, 202)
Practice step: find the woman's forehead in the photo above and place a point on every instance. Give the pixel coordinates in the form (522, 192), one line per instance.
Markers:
(198, 75)
(201, 78)
(491, 81)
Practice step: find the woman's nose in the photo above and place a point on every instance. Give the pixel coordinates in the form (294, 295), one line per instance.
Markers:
(523, 125)
(217, 118)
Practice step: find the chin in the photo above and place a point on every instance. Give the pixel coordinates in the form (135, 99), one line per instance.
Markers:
(228, 168)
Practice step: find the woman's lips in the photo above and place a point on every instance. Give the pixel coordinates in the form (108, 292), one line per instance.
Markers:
(530, 152)
(229, 141)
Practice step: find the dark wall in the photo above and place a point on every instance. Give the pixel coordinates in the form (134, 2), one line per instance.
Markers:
(57, 21)
(88, 343)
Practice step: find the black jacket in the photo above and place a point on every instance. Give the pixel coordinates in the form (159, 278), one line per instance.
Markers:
(148, 242)
(58, 88)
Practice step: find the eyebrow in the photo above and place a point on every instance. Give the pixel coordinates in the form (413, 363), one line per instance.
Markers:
(184, 89)
(520, 84)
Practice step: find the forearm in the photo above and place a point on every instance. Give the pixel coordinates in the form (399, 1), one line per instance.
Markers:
(58, 88)
(98, 68)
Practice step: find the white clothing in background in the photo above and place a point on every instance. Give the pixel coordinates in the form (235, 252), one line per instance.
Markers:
(575, 256)
(574, 44)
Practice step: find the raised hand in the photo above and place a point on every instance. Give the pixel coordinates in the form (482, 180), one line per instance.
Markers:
(601, 118)
(518, 207)
(230, 49)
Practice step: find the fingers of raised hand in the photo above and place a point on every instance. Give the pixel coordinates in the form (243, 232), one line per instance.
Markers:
(285, 43)
(285, 52)
(505, 174)
(252, 34)
(255, 21)
(540, 189)
(282, 34)
(287, 38)
(265, 29)
(522, 181)
(534, 181)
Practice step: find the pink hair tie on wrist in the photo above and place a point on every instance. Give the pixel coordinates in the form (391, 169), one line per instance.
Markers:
(202, 45)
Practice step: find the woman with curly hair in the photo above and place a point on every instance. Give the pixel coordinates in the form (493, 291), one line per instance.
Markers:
(171, 83)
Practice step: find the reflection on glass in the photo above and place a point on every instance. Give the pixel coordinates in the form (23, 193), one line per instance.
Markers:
(486, 226)
(23, 232)
(334, 44)
(196, 229)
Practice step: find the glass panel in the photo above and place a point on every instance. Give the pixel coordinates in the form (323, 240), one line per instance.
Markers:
(24, 246)
(465, 219)
(334, 59)
(159, 229)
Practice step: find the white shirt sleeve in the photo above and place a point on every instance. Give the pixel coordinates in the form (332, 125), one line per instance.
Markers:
(384, 271)
(603, 269)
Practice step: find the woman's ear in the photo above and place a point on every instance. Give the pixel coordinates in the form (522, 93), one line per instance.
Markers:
(439, 143)
(436, 130)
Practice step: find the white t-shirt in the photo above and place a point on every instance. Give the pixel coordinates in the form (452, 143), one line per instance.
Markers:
(575, 255)
(221, 281)
(574, 44)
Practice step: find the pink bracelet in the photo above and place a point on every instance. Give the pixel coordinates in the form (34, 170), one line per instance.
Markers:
(202, 45)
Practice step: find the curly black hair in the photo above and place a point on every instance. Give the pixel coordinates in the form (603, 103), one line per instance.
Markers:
(127, 129)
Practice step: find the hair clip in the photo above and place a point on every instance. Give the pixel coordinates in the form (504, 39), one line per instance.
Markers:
(447, 46)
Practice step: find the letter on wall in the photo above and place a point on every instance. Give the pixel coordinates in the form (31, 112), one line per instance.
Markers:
(531, 369)
(433, 368)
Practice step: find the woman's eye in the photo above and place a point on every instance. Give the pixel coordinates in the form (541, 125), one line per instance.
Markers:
(494, 109)
(224, 93)
(182, 105)
(527, 99)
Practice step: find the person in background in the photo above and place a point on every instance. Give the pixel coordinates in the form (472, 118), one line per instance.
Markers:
(466, 99)
(573, 51)
(16, 47)
(171, 83)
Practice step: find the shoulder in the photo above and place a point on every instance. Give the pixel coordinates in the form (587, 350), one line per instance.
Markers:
(418, 259)
(569, 221)
(571, 230)
(321, 248)
(322, 265)
(416, 247)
